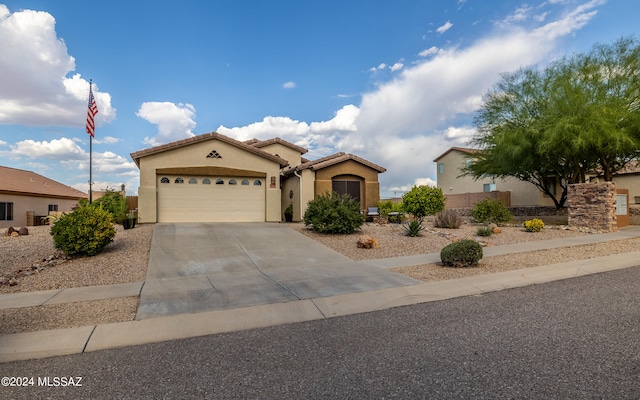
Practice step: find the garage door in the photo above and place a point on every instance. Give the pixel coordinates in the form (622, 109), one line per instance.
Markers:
(210, 199)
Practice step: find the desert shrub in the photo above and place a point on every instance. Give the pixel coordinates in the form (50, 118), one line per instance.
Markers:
(484, 231)
(448, 219)
(413, 228)
(423, 200)
(387, 206)
(463, 253)
(533, 225)
(113, 202)
(491, 210)
(333, 213)
(85, 231)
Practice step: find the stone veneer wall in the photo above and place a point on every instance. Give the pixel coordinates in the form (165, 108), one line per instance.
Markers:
(592, 205)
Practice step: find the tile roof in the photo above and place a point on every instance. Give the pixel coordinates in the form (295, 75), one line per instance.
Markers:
(204, 137)
(335, 159)
(18, 181)
(460, 149)
(264, 143)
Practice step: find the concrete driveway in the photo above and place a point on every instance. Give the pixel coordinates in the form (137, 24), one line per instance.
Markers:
(197, 267)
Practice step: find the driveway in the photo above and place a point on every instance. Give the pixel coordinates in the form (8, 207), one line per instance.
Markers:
(197, 267)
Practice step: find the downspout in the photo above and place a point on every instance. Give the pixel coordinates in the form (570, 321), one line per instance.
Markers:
(300, 190)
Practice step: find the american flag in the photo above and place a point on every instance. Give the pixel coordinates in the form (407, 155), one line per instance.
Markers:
(93, 110)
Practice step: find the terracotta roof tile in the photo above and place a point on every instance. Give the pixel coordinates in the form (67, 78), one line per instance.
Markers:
(460, 149)
(335, 159)
(18, 181)
(263, 143)
(201, 138)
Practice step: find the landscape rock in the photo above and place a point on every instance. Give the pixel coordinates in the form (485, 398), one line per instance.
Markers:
(497, 230)
(367, 242)
(23, 231)
(9, 231)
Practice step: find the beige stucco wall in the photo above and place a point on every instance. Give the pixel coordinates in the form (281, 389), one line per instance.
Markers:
(285, 152)
(369, 187)
(630, 182)
(39, 205)
(195, 155)
(522, 193)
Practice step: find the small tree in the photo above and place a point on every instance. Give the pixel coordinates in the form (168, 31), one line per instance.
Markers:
(85, 231)
(422, 201)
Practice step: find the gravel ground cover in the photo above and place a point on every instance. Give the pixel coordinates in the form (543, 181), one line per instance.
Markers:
(125, 260)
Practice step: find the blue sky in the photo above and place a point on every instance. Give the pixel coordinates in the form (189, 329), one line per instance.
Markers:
(394, 82)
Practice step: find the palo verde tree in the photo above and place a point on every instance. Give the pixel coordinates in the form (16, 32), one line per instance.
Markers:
(578, 116)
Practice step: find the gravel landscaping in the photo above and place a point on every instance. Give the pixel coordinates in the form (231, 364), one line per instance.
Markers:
(126, 258)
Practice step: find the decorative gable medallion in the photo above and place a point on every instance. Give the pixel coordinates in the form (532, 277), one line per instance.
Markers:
(214, 154)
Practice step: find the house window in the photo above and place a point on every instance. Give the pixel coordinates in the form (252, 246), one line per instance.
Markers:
(489, 187)
(352, 188)
(441, 168)
(206, 181)
(245, 182)
(53, 207)
(232, 182)
(219, 181)
(164, 180)
(552, 186)
(193, 181)
(179, 180)
(257, 182)
(6, 211)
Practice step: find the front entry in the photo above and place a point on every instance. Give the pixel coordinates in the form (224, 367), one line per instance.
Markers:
(352, 188)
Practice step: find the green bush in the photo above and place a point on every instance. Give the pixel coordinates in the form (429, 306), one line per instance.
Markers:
(85, 231)
(113, 202)
(413, 228)
(333, 213)
(423, 200)
(464, 253)
(484, 231)
(533, 225)
(491, 210)
(387, 206)
(448, 219)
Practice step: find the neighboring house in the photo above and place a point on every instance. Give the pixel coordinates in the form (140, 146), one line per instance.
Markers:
(449, 168)
(214, 178)
(26, 196)
(628, 178)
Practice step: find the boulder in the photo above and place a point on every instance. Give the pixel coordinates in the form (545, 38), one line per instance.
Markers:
(15, 234)
(23, 231)
(497, 230)
(9, 231)
(367, 242)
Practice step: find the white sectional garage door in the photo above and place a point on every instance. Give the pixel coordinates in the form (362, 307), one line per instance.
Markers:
(210, 199)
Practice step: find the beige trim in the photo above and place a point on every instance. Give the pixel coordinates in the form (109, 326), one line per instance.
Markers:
(210, 171)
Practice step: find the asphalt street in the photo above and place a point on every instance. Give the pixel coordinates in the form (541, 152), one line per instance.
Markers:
(571, 339)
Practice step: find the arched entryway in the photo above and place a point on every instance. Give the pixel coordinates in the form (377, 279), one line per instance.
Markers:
(349, 184)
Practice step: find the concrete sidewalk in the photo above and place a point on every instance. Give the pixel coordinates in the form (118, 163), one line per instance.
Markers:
(98, 337)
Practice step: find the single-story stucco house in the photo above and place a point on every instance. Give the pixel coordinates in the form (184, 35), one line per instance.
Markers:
(215, 178)
(26, 196)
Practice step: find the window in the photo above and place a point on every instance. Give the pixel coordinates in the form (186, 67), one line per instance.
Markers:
(179, 180)
(232, 182)
(257, 182)
(489, 187)
(206, 181)
(441, 168)
(219, 181)
(53, 207)
(6, 211)
(352, 188)
(552, 186)
(245, 182)
(214, 154)
(164, 180)
(193, 181)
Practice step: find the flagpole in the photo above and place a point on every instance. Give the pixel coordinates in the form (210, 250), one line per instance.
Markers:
(90, 157)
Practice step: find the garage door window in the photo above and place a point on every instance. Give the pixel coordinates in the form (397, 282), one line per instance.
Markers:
(257, 182)
(164, 180)
(206, 181)
(219, 182)
(232, 181)
(193, 181)
(179, 180)
(245, 182)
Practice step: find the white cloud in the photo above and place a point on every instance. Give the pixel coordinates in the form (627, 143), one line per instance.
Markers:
(396, 67)
(106, 140)
(34, 63)
(3, 143)
(289, 85)
(57, 149)
(431, 50)
(442, 29)
(174, 121)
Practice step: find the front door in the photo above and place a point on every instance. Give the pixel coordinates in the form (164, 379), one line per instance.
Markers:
(622, 207)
